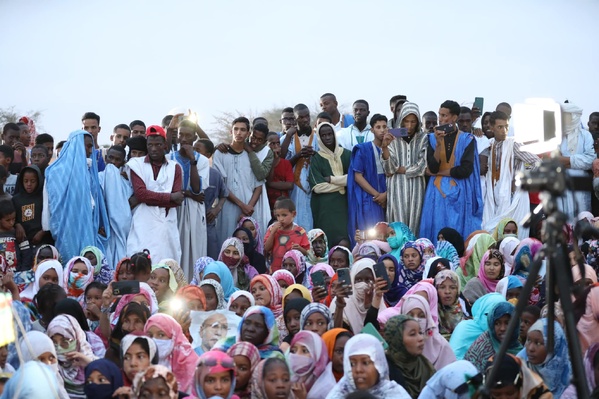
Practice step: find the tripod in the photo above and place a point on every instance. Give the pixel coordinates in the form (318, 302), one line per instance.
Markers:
(558, 277)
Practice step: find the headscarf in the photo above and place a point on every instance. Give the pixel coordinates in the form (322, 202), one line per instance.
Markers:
(313, 235)
(242, 293)
(470, 263)
(507, 246)
(407, 277)
(100, 258)
(350, 256)
(146, 291)
(330, 339)
(226, 278)
(33, 288)
(589, 273)
(20, 385)
(275, 291)
(192, 292)
(119, 265)
(39, 342)
(198, 268)
(68, 327)
(432, 295)
(172, 282)
(253, 355)
(499, 310)
(183, 358)
(333, 158)
(109, 370)
(498, 232)
(296, 287)
(556, 369)
(436, 348)
(588, 325)
(473, 290)
(177, 271)
(489, 284)
(307, 370)
(364, 344)
(320, 267)
(403, 234)
(589, 370)
(446, 250)
(300, 262)
(525, 254)
(449, 316)
(429, 271)
(369, 249)
(394, 293)
(506, 284)
(593, 254)
(425, 244)
(129, 339)
(297, 304)
(284, 275)
(55, 254)
(416, 370)
(214, 362)
(512, 367)
(270, 345)
(257, 379)
(443, 384)
(316, 308)
(240, 277)
(259, 237)
(454, 237)
(220, 294)
(77, 287)
(467, 331)
(157, 371)
(254, 258)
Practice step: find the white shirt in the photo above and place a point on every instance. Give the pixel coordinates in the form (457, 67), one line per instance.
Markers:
(347, 137)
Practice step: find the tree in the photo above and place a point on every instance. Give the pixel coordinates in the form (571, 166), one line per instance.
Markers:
(10, 115)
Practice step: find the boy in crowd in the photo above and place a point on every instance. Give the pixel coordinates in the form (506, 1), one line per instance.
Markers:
(280, 179)
(8, 240)
(47, 141)
(40, 157)
(11, 137)
(6, 157)
(59, 147)
(284, 235)
(138, 147)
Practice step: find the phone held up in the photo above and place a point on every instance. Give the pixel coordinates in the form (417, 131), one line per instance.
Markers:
(345, 278)
(381, 271)
(125, 287)
(318, 279)
(446, 128)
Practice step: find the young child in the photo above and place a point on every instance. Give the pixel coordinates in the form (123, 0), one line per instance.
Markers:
(40, 157)
(284, 235)
(280, 180)
(28, 203)
(8, 241)
(93, 303)
(366, 181)
(3, 176)
(6, 157)
(5, 367)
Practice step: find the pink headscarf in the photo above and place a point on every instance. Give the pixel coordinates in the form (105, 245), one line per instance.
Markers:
(384, 315)
(308, 373)
(275, 291)
(436, 348)
(588, 325)
(321, 267)
(490, 285)
(146, 291)
(298, 258)
(284, 275)
(72, 290)
(427, 286)
(183, 358)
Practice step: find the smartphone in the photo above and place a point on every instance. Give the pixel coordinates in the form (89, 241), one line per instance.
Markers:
(125, 287)
(345, 278)
(318, 279)
(447, 128)
(401, 132)
(381, 271)
(371, 330)
(478, 103)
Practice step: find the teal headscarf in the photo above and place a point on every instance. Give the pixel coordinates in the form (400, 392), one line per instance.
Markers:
(402, 235)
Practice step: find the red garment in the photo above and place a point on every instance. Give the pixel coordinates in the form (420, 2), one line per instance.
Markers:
(534, 198)
(284, 240)
(153, 198)
(283, 172)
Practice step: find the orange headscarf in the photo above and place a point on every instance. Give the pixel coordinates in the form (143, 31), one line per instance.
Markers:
(330, 338)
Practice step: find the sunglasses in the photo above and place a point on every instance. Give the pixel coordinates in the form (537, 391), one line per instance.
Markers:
(212, 362)
(475, 381)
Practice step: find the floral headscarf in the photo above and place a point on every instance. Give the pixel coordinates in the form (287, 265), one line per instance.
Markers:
(198, 268)
(489, 284)
(76, 285)
(156, 371)
(449, 316)
(425, 244)
(284, 275)
(220, 294)
(298, 258)
(177, 271)
(275, 291)
(593, 255)
(313, 235)
(407, 277)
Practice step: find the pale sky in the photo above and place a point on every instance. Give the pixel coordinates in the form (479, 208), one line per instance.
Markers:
(129, 60)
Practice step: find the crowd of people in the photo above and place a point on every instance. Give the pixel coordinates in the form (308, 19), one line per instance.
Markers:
(354, 257)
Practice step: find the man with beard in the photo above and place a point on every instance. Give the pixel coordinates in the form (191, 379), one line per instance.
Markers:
(358, 132)
(299, 154)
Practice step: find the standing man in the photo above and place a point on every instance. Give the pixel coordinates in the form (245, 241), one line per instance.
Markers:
(287, 120)
(261, 159)
(120, 135)
(358, 132)
(395, 104)
(299, 154)
(328, 104)
(157, 184)
(502, 198)
(482, 143)
(191, 215)
(453, 196)
(91, 124)
(138, 128)
(593, 125)
(429, 121)
(244, 188)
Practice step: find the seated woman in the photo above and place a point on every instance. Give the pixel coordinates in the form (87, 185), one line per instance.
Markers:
(296, 291)
(164, 284)
(335, 340)
(215, 376)
(284, 277)
(271, 379)
(292, 314)
(43, 305)
(190, 298)
(73, 352)
(48, 271)
(174, 350)
(366, 369)
(340, 257)
(411, 266)
(393, 294)
(71, 307)
(436, 348)
(214, 294)
(491, 270)
(232, 254)
(507, 227)
(255, 258)
(516, 380)
(102, 271)
(307, 360)
(555, 368)
(78, 274)
(319, 247)
(246, 358)
(257, 327)
(316, 318)
(510, 287)
(240, 301)
(451, 307)
(220, 272)
(398, 235)
(488, 343)
(477, 246)
(267, 292)
(252, 225)
(138, 353)
(103, 378)
(295, 262)
(154, 381)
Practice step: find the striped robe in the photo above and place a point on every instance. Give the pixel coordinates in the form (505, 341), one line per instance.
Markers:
(405, 192)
